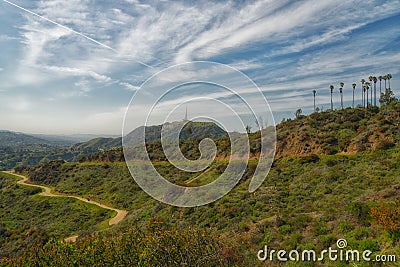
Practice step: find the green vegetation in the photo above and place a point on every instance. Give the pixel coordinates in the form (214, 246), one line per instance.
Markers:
(24, 150)
(306, 202)
(153, 245)
(27, 219)
(18, 149)
(336, 175)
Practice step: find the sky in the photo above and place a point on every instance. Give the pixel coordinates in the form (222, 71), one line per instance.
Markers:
(75, 65)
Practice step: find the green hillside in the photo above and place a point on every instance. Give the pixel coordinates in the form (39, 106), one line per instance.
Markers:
(21, 149)
(306, 202)
(10, 139)
(342, 180)
(17, 149)
(27, 219)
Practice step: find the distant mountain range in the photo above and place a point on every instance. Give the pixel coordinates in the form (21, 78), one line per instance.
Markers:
(18, 148)
(11, 139)
(71, 139)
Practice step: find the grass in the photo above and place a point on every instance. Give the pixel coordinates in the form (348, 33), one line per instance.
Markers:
(27, 218)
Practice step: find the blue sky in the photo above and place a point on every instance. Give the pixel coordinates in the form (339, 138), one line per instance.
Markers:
(53, 80)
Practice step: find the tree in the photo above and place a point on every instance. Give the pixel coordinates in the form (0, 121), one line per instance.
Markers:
(385, 78)
(389, 76)
(298, 113)
(367, 84)
(375, 80)
(387, 98)
(341, 94)
(354, 88)
(331, 87)
(248, 129)
(363, 91)
(314, 92)
(371, 78)
(380, 84)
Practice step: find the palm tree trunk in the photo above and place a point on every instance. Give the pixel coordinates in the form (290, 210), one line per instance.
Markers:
(363, 98)
(314, 103)
(371, 95)
(341, 99)
(331, 102)
(353, 98)
(389, 83)
(362, 93)
(367, 97)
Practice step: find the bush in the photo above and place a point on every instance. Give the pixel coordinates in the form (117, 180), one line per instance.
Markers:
(135, 247)
(386, 216)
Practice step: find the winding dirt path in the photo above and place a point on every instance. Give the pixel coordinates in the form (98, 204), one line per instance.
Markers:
(121, 214)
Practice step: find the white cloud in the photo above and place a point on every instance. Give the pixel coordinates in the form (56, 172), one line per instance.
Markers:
(249, 26)
(129, 86)
(5, 37)
(287, 47)
(77, 72)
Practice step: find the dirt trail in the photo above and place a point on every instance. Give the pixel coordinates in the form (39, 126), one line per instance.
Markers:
(121, 214)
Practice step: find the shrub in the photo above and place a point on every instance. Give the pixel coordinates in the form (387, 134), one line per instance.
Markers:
(386, 216)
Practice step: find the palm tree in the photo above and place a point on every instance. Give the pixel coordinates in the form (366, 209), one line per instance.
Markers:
(385, 78)
(371, 78)
(375, 80)
(341, 94)
(331, 87)
(363, 99)
(363, 91)
(354, 88)
(380, 84)
(389, 76)
(314, 92)
(367, 84)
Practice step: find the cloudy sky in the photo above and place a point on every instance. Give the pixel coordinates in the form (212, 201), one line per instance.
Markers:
(75, 68)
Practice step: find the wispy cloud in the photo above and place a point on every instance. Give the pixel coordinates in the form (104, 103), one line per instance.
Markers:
(287, 47)
(5, 37)
(77, 72)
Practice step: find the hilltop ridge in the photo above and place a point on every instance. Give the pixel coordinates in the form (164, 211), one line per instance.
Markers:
(348, 131)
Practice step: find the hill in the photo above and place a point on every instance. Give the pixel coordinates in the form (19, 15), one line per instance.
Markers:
(326, 191)
(12, 139)
(70, 139)
(18, 149)
(347, 131)
(305, 203)
(96, 145)
(22, 149)
(340, 180)
(191, 130)
(28, 219)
